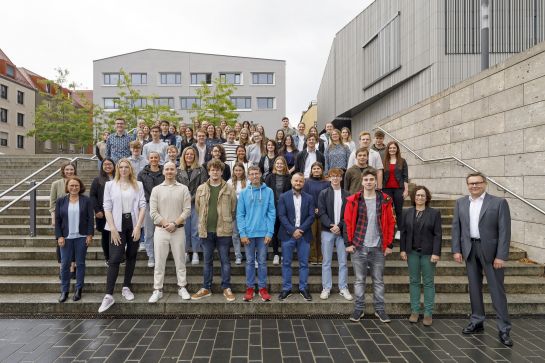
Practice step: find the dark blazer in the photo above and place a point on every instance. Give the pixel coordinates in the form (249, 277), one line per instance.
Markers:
(286, 214)
(494, 228)
(261, 165)
(401, 175)
(302, 158)
(326, 208)
(86, 217)
(431, 231)
(97, 200)
(270, 180)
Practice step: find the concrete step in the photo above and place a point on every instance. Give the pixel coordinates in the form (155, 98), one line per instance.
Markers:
(18, 211)
(18, 284)
(50, 267)
(395, 303)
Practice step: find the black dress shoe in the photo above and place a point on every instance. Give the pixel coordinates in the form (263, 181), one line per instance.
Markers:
(306, 295)
(63, 297)
(505, 339)
(472, 328)
(284, 295)
(77, 295)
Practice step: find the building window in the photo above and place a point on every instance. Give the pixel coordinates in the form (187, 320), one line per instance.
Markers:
(47, 145)
(242, 103)
(139, 78)
(111, 79)
(20, 97)
(10, 71)
(231, 78)
(3, 139)
(20, 142)
(3, 115)
(198, 78)
(3, 91)
(265, 103)
(263, 78)
(139, 103)
(188, 102)
(111, 103)
(164, 101)
(21, 119)
(48, 88)
(171, 78)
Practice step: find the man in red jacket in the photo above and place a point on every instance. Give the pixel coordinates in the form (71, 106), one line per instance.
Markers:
(370, 221)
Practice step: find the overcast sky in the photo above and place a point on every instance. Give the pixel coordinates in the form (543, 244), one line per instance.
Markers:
(43, 35)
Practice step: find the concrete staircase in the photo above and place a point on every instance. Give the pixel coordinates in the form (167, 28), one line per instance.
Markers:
(29, 281)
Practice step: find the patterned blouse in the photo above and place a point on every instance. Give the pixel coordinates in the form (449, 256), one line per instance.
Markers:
(336, 156)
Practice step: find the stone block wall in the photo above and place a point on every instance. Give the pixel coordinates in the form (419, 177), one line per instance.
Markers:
(495, 122)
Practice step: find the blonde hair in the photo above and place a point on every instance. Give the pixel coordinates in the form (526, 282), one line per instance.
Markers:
(195, 163)
(349, 134)
(132, 177)
(285, 171)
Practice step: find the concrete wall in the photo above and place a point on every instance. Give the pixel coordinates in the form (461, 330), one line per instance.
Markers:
(494, 121)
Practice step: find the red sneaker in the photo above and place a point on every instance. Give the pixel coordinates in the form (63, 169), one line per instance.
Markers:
(264, 294)
(249, 294)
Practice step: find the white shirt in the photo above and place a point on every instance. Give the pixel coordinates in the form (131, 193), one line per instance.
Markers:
(337, 206)
(202, 153)
(297, 205)
(475, 206)
(301, 143)
(311, 159)
(374, 159)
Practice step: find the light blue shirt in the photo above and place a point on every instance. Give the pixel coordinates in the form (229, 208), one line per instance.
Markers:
(73, 221)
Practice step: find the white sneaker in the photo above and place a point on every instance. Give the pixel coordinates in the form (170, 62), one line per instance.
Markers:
(127, 294)
(156, 296)
(184, 294)
(187, 260)
(256, 264)
(195, 259)
(151, 263)
(107, 303)
(346, 294)
(276, 260)
(141, 248)
(238, 261)
(397, 235)
(324, 295)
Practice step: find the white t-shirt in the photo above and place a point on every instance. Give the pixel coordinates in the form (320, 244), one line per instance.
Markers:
(375, 160)
(297, 205)
(337, 206)
(311, 159)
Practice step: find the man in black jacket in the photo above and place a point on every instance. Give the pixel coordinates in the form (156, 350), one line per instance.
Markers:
(308, 156)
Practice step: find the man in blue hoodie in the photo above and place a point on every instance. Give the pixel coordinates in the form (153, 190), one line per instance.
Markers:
(255, 220)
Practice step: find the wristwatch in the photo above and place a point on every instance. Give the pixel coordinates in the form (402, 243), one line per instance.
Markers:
(179, 225)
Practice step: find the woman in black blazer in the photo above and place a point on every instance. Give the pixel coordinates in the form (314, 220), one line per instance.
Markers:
(74, 227)
(420, 245)
(107, 172)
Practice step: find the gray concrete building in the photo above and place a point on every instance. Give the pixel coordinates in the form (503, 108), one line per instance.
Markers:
(397, 53)
(173, 77)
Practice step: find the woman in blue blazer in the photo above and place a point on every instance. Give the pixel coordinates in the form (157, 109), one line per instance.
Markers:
(74, 228)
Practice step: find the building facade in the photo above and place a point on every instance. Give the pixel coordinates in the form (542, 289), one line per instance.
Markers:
(397, 53)
(17, 110)
(310, 115)
(173, 77)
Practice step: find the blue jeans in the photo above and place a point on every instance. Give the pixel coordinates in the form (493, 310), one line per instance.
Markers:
(259, 245)
(71, 246)
(236, 240)
(329, 242)
(303, 252)
(193, 242)
(223, 244)
(362, 259)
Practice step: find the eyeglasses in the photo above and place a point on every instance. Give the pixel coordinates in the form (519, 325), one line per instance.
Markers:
(475, 184)
(335, 177)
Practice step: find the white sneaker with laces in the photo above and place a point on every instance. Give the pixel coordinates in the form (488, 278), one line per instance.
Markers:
(256, 264)
(346, 294)
(324, 295)
(195, 259)
(156, 296)
(141, 248)
(127, 294)
(276, 260)
(238, 261)
(107, 303)
(184, 294)
(151, 263)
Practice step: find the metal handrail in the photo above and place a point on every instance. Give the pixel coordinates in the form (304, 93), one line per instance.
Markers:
(448, 158)
(7, 206)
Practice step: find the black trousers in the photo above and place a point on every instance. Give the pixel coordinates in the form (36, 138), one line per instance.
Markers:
(275, 240)
(127, 246)
(105, 240)
(397, 196)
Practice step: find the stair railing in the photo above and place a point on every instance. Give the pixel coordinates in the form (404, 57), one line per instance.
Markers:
(453, 158)
(34, 186)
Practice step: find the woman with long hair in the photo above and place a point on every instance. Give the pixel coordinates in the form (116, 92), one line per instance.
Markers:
(172, 155)
(346, 136)
(192, 175)
(266, 163)
(252, 128)
(212, 137)
(220, 134)
(238, 181)
(420, 246)
(244, 137)
(140, 137)
(124, 207)
(259, 128)
(313, 186)
(240, 157)
(289, 151)
(337, 153)
(255, 151)
(246, 125)
(107, 173)
(179, 139)
(147, 135)
(189, 138)
(396, 179)
(74, 229)
(279, 138)
(218, 153)
(280, 182)
(238, 127)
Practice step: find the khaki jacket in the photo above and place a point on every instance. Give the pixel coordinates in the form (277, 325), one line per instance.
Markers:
(227, 202)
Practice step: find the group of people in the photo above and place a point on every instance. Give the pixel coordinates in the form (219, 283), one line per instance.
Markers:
(297, 191)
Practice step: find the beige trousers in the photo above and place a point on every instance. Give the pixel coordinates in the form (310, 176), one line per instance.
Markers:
(163, 242)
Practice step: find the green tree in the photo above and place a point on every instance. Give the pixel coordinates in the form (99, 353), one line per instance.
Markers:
(60, 119)
(216, 104)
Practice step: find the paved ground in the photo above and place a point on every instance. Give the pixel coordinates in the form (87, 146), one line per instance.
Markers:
(295, 340)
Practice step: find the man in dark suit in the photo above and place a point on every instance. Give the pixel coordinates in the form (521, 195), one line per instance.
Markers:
(296, 214)
(307, 157)
(481, 233)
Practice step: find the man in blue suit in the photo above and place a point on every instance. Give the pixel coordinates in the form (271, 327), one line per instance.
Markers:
(296, 214)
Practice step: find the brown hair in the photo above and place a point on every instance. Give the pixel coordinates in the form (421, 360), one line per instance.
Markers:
(426, 190)
(215, 164)
(379, 133)
(81, 185)
(234, 178)
(335, 171)
(317, 163)
(135, 145)
(399, 159)
(63, 166)
(285, 170)
(361, 150)
(369, 171)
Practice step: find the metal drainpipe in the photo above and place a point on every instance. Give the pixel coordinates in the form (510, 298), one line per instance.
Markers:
(485, 11)
(32, 209)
